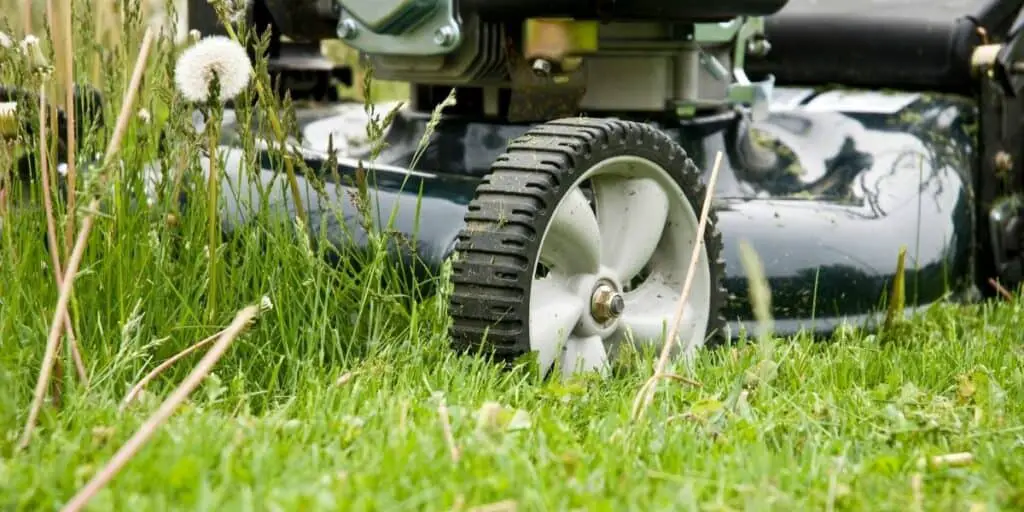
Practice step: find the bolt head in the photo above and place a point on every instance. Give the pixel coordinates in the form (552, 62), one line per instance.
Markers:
(541, 68)
(348, 29)
(759, 47)
(444, 36)
(616, 305)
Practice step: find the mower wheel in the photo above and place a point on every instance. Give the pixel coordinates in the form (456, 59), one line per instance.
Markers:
(578, 242)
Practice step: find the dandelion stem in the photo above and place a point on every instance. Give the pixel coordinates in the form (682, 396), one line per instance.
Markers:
(213, 123)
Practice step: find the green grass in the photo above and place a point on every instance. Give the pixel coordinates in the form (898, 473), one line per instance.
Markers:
(842, 423)
(331, 401)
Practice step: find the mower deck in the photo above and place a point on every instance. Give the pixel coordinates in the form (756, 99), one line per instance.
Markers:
(827, 190)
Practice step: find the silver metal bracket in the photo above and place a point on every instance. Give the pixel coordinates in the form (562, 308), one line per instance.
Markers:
(399, 27)
(745, 35)
(757, 96)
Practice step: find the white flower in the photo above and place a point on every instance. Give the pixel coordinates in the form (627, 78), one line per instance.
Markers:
(213, 56)
(30, 48)
(6, 41)
(144, 115)
(29, 41)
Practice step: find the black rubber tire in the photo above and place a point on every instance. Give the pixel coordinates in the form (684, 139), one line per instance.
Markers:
(497, 251)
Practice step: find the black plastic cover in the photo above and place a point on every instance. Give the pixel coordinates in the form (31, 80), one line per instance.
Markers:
(908, 44)
(682, 10)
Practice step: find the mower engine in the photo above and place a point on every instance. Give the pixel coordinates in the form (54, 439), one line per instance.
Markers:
(536, 60)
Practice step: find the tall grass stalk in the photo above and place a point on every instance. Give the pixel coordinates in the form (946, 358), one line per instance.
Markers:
(51, 235)
(267, 102)
(645, 396)
(75, 259)
(68, 63)
(242, 321)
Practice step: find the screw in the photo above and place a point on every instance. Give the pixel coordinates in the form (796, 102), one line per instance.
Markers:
(759, 47)
(348, 29)
(541, 68)
(444, 36)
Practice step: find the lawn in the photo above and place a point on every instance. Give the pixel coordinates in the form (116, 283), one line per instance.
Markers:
(344, 395)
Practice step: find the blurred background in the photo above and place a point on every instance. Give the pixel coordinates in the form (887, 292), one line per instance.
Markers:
(105, 25)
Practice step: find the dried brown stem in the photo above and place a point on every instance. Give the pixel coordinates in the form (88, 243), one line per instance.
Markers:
(51, 234)
(166, 409)
(71, 269)
(26, 16)
(449, 437)
(137, 388)
(72, 136)
(1000, 289)
(646, 394)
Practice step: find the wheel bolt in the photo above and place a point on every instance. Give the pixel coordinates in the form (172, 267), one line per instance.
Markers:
(616, 305)
(606, 304)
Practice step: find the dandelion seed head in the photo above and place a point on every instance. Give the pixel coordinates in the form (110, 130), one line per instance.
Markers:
(31, 49)
(214, 56)
(29, 41)
(6, 41)
(195, 35)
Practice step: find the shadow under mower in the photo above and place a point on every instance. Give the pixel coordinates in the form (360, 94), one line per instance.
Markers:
(568, 177)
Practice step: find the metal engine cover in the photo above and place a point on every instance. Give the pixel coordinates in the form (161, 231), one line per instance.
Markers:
(390, 16)
(407, 28)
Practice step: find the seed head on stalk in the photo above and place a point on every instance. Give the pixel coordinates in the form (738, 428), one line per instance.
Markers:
(211, 72)
(213, 60)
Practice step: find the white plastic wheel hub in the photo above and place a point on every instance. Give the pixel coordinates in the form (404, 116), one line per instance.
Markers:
(615, 268)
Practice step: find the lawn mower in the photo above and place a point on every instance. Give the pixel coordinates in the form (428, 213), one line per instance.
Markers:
(565, 183)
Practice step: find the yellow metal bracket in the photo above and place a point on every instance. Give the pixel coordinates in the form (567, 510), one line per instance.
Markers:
(558, 43)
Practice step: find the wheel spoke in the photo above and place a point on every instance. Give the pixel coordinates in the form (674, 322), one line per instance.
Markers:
(649, 314)
(632, 213)
(584, 355)
(573, 242)
(554, 312)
